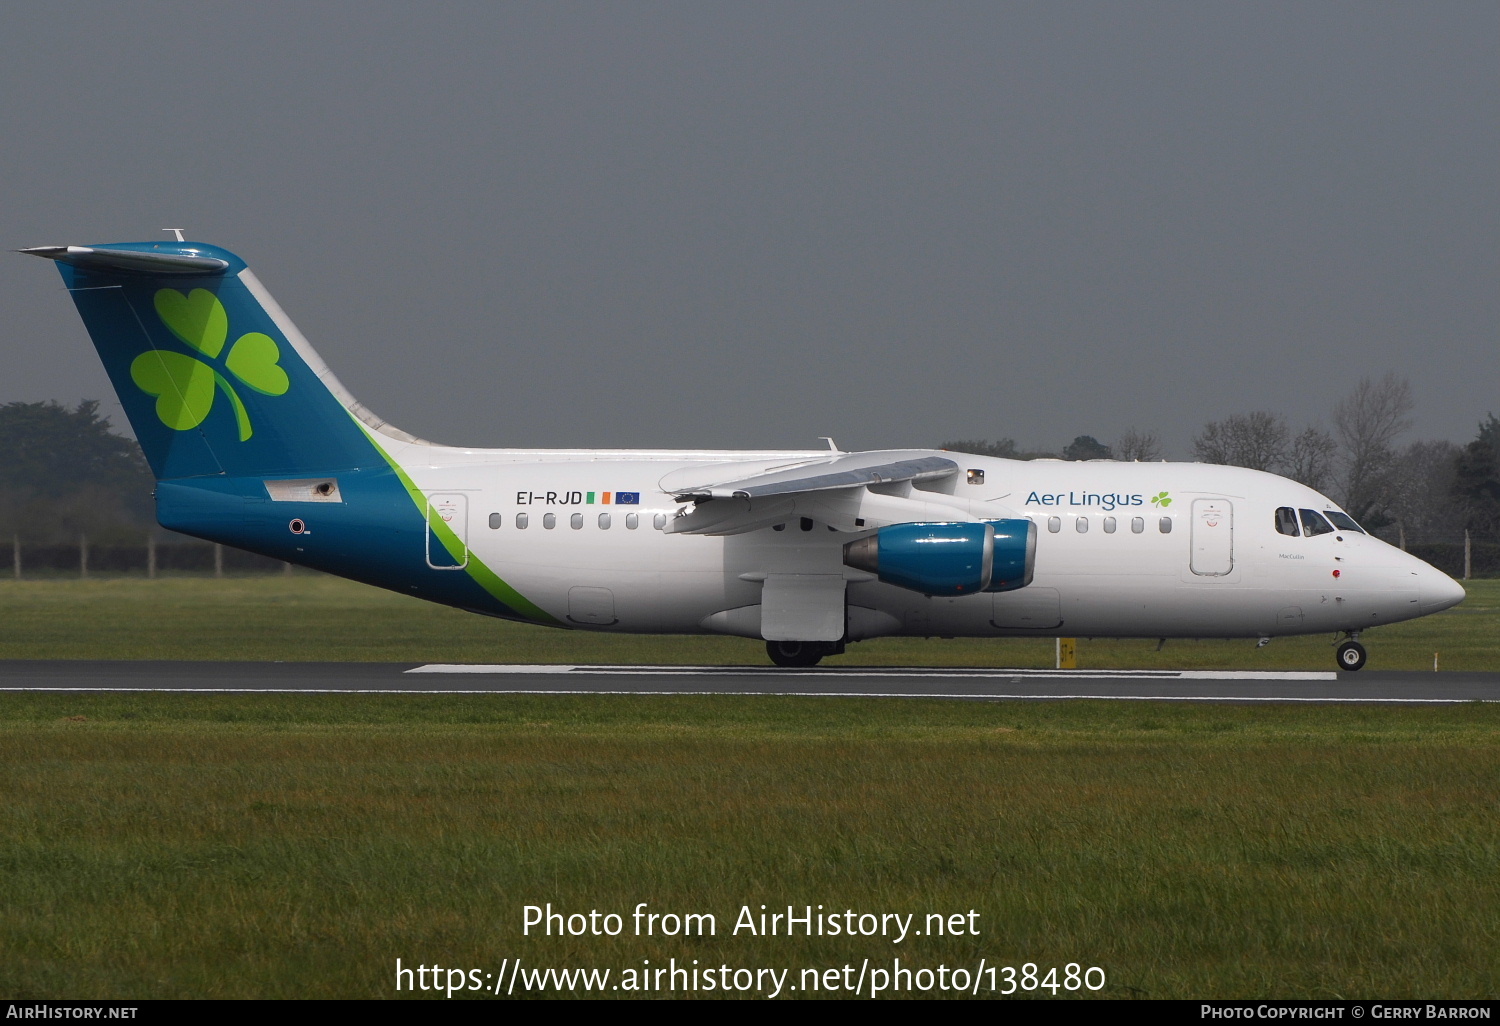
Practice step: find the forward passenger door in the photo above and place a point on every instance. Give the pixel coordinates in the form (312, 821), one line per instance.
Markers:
(1212, 537)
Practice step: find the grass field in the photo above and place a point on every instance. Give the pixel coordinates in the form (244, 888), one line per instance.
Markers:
(297, 845)
(275, 846)
(313, 617)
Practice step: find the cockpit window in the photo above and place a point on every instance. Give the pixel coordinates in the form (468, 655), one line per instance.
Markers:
(1343, 521)
(1286, 521)
(1313, 524)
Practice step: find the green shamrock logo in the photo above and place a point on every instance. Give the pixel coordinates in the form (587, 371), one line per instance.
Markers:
(185, 386)
(1163, 500)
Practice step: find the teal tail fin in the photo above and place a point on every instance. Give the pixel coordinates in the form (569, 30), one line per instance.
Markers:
(214, 377)
(253, 441)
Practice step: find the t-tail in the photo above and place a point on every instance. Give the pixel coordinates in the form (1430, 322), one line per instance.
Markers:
(252, 439)
(215, 379)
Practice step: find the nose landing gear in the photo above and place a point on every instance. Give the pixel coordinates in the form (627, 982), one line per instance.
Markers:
(1351, 654)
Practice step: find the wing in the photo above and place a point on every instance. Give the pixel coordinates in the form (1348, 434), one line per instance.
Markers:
(851, 471)
(846, 492)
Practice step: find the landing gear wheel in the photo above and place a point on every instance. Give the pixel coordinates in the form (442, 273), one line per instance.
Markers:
(1351, 656)
(799, 654)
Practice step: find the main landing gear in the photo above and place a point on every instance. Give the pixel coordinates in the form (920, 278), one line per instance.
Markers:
(801, 654)
(1351, 654)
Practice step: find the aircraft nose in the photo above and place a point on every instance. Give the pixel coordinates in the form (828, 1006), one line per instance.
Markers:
(1438, 591)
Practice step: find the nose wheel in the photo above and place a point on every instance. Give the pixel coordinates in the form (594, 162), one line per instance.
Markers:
(1351, 655)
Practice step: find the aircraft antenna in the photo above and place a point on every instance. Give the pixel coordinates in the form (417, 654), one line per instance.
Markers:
(831, 446)
(177, 232)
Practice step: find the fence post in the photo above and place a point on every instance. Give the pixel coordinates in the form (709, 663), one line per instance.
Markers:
(1468, 555)
(151, 556)
(15, 554)
(83, 554)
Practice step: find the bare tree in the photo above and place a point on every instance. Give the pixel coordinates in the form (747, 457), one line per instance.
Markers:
(1142, 446)
(1257, 440)
(1368, 421)
(1310, 459)
(1420, 495)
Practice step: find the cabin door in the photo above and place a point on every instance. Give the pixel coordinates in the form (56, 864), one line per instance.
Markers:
(1213, 537)
(448, 531)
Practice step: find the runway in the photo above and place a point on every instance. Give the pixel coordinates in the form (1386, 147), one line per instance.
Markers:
(1369, 686)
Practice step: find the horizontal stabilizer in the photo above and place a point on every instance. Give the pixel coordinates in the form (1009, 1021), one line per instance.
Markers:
(137, 261)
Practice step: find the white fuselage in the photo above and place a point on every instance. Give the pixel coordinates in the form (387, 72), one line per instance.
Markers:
(1123, 549)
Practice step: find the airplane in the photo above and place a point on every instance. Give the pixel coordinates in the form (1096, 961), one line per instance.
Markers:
(255, 444)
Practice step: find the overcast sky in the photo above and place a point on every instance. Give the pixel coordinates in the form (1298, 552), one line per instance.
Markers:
(747, 225)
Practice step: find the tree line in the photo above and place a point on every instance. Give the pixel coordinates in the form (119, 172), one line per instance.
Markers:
(64, 472)
(65, 475)
(74, 496)
(1412, 493)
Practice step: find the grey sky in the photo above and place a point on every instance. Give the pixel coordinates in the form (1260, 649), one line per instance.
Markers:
(745, 225)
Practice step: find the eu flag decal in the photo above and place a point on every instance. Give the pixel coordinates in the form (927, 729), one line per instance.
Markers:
(627, 498)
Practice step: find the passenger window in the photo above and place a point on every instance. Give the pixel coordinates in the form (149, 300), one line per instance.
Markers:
(604, 521)
(1314, 525)
(1165, 525)
(976, 477)
(495, 521)
(1109, 525)
(522, 520)
(1286, 521)
(632, 521)
(549, 520)
(1343, 521)
(1137, 525)
(659, 521)
(1082, 525)
(576, 521)
(1054, 524)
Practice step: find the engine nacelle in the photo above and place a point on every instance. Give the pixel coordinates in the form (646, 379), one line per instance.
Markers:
(949, 558)
(1015, 554)
(935, 559)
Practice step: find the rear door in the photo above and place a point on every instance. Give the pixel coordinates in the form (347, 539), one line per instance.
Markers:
(448, 531)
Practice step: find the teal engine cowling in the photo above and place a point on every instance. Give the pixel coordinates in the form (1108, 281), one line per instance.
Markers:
(1014, 562)
(949, 559)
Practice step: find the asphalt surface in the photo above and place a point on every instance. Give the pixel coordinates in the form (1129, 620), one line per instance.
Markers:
(1373, 686)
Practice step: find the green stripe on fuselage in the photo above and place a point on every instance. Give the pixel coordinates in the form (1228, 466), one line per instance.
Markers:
(481, 574)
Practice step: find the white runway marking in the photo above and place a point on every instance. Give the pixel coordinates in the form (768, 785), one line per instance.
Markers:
(782, 694)
(965, 683)
(873, 671)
